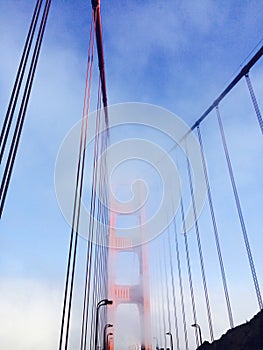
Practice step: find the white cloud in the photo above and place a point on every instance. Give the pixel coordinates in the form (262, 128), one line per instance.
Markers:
(178, 55)
(30, 315)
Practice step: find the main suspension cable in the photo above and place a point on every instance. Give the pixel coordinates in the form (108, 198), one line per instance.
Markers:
(254, 101)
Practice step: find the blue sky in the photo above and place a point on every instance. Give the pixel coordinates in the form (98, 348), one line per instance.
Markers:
(174, 54)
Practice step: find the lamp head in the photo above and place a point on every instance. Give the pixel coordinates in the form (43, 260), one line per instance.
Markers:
(104, 302)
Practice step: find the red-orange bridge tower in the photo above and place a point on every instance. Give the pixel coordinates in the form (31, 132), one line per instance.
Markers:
(137, 294)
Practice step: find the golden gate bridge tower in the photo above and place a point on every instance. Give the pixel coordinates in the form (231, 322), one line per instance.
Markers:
(137, 294)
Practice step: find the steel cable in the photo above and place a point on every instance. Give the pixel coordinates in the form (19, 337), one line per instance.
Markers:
(208, 309)
(23, 108)
(239, 210)
(216, 234)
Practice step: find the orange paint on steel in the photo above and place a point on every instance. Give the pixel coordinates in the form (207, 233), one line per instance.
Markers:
(129, 294)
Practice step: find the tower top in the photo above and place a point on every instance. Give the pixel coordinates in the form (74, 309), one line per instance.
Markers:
(95, 3)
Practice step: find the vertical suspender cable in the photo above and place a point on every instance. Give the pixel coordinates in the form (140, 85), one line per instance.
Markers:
(81, 189)
(254, 101)
(216, 234)
(18, 80)
(23, 108)
(173, 290)
(86, 109)
(158, 300)
(103, 95)
(92, 252)
(101, 233)
(239, 210)
(162, 299)
(181, 286)
(70, 273)
(167, 285)
(189, 270)
(156, 305)
(200, 253)
(91, 260)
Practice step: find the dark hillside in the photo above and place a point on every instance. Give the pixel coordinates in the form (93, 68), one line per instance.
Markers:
(248, 336)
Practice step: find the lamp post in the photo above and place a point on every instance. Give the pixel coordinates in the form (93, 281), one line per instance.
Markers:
(171, 339)
(196, 325)
(103, 302)
(104, 335)
(108, 335)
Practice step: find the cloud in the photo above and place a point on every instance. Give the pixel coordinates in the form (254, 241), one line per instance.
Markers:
(175, 54)
(30, 314)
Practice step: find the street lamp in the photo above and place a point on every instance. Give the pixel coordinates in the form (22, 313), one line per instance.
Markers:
(171, 339)
(104, 335)
(108, 335)
(103, 302)
(196, 325)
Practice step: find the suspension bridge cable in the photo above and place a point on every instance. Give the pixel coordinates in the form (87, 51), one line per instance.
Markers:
(92, 213)
(101, 231)
(254, 101)
(18, 80)
(162, 299)
(154, 303)
(97, 258)
(96, 262)
(102, 97)
(81, 188)
(239, 210)
(200, 253)
(189, 272)
(85, 111)
(215, 229)
(159, 313)
(178, 259)
(94, 255)
(70, 272)
(98, 30)
(167, 286)
(173, 290)
(233, 83)
(245, 70)
(23, 108)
